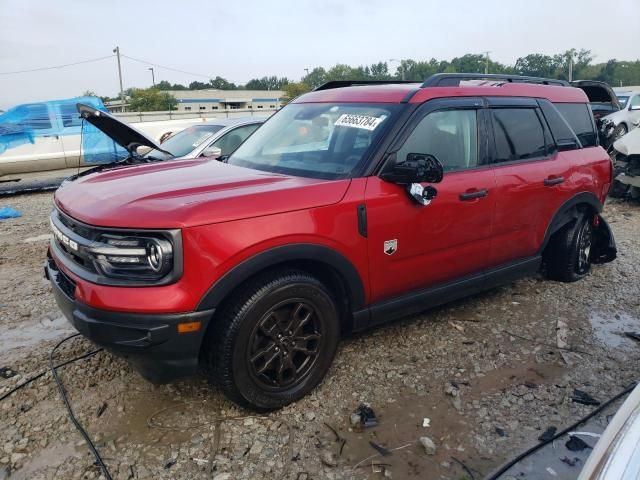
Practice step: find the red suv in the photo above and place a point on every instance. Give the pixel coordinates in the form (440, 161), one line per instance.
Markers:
(354, 205)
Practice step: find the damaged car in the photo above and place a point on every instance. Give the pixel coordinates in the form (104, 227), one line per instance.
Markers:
(356, 204)
(626, 156)
(213, 139)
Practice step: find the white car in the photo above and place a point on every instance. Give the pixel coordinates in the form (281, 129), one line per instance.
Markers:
(628, 117)
(616, 456)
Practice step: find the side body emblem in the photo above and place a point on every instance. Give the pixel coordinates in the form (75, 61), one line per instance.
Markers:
(390, 246)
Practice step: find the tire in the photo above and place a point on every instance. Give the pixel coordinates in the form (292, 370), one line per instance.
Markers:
(274, 341)
(569, 251)
(619, 131)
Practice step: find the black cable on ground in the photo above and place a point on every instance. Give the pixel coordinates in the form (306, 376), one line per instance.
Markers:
(537, 447)
(73, 418)
(41, 374)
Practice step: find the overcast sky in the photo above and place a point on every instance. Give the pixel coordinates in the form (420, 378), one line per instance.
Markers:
(242, 39)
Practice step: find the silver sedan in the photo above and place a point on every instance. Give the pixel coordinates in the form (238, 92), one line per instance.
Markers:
(214, 138)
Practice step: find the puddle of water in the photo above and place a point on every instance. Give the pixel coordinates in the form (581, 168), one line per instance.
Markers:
(32, 333)
(400, 423)
(609, 329)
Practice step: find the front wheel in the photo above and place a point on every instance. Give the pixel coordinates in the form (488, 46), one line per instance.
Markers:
(274, 341)
(620, 131)
(569, 251)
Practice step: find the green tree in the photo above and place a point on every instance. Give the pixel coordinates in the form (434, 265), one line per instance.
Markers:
(536, 65)
(164, 85)
(151, 100)
(221, 84)
(315, 77)
(294, 89)
(195, 85)
(267, 83)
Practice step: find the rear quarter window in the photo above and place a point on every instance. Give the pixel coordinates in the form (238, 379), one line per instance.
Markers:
(579, 117)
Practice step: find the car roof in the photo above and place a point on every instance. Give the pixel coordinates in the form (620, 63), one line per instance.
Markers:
(415, 93)
(230, 122)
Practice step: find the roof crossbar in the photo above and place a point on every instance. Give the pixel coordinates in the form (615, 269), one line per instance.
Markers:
(454, 79)
(350, 83)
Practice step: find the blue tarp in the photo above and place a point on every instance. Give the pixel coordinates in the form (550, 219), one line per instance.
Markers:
(58, 118)
(8, 212)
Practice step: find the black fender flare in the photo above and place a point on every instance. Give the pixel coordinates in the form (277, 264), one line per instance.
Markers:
(567, 213)
(282, 254)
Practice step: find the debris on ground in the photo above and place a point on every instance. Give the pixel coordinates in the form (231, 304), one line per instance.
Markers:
(429, 445)
(584, 398)
(7, 372)
(101, 410)
(633, 335)
(500, 432)
(329, 459)
(572, 462)
(426, 422)
(385, 452)
(576, 444)
(548, 434)
(364, 416)
(8, 212)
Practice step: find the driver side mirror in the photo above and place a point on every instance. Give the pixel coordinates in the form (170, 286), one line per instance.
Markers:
(211, 152)
(417, 168)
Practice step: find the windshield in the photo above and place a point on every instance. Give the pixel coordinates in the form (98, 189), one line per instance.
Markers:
(184, 142)
(318, 140)
(623, 99)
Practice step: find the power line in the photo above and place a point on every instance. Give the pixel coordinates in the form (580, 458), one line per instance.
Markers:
(165, 67)
(57, 66)
(208, 77)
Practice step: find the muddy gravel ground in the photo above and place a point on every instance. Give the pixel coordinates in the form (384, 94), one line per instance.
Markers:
(486, 372)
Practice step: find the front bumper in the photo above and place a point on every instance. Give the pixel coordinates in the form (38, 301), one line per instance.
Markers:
(150, 342)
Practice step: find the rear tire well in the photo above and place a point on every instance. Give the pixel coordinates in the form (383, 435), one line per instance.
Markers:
(327, 275)
(574, 212)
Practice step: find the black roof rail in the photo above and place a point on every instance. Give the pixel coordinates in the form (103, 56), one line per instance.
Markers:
(349, 83)
(454, 79)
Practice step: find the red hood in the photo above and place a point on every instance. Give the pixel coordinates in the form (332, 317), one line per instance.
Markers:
(187, 193)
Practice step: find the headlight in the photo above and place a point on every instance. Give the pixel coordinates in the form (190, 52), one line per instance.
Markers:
(133, 257)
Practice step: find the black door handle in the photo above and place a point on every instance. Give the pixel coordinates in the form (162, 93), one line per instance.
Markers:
(551, 181)
(473, 195)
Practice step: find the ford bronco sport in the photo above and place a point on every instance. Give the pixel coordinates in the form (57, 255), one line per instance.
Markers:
(354, 205)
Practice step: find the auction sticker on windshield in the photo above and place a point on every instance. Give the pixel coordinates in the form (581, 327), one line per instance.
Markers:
(359, 121)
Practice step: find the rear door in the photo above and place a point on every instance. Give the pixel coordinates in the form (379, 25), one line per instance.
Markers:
(532, 178)
(71, 124)
(413, 246)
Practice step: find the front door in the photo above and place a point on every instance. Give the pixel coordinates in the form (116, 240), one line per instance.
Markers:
(413, 246)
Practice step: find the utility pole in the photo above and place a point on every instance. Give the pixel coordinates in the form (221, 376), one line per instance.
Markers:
(153, 78)
(117, 52)
(570, 67)
(307, 70)
(486, 64)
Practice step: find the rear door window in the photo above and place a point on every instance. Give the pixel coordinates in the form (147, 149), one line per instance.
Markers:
(578, 115)
(229, 142)
(518, 133)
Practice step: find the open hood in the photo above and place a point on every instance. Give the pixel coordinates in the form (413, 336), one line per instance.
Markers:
(601, 96)
(124, 135)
